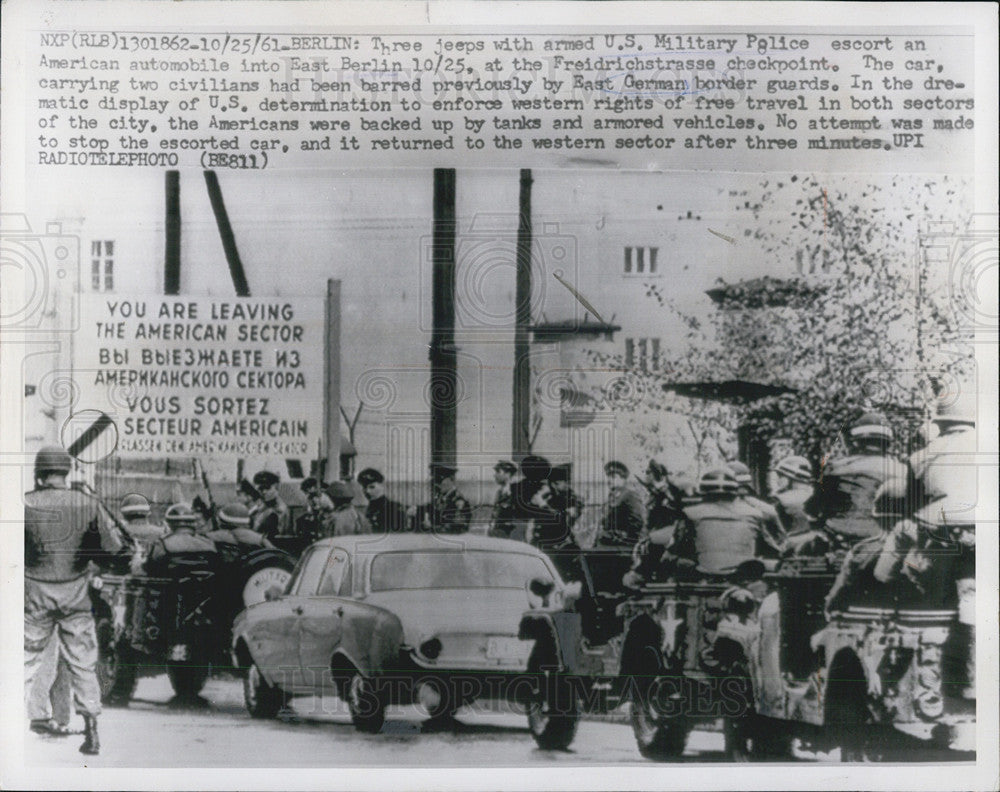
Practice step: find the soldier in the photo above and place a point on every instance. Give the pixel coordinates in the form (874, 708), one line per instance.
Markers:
(529, 499)
(717, 535)
(63, 531)
(841, 505)
(622, 527)
(624, 516)
(273, 518)
(931, 559)
(769, 514)
(384, 515)
(448, 512)
(856, 584)
(666, 500)
(346, 520)
(135, 509)
(502, 521)
(555, 536)
(933, 469)
(316, 522)
(793, 488)
(183, 547)
(234, 528)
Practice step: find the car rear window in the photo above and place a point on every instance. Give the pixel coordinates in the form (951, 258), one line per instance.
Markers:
(467, 569)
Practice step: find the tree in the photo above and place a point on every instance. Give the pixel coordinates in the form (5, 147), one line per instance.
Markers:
(866, 324)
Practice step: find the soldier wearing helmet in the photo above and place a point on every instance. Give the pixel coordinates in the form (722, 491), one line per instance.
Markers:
(769, 515)
(182, 546)
(857, 583)
(64, 530)
(938, 469)
(841, 504)
(234, 528)
(718, 534)
(135, 509)
(793, 487)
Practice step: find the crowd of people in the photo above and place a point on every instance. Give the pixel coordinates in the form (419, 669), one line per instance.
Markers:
(904, 532)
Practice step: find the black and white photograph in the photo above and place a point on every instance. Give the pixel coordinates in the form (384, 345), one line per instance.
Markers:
(553, 403)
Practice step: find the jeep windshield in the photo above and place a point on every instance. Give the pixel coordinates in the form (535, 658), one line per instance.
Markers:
(468, 569)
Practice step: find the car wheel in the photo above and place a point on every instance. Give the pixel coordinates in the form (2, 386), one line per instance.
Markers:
(117, 669)
(658, 737)
(261, 699)
(553, 712)
(366, 705)
(187, 679)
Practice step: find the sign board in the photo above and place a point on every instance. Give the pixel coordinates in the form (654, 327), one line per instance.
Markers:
(209, 377)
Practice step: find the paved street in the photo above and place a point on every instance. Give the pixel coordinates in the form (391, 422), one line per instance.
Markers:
(151, 733)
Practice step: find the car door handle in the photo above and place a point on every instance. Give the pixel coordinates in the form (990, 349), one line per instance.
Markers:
(340, 610)
(297, 610)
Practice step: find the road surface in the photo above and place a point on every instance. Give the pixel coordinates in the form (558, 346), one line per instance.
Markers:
(153, 733)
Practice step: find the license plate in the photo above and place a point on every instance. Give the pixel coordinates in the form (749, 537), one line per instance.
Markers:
(507, 649)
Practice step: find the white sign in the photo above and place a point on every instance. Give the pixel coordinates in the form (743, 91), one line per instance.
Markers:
(204, 376)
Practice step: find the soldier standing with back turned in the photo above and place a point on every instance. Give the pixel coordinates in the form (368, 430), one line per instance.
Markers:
(64, 529)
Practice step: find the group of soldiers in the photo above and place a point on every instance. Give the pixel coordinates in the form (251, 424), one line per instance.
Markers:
(905, 532)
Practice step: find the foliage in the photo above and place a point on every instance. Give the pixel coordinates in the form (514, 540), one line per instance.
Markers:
(865, 324)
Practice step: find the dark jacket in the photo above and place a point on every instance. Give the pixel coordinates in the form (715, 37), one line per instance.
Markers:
(386, 516)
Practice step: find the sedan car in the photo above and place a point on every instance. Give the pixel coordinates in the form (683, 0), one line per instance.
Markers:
(394, 619)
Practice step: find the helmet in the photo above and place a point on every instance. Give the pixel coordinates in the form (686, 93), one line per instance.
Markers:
(740, 472)
(890, 499)
(234, 515)
(135, 504)
(718, 481)
(180, 515)
(341, 491)
(795, 468)
(871, 426)
(53, 459)
(961, 409)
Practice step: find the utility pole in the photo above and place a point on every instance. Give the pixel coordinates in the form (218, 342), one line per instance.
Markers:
(172, 253)
(521, 436)
(443, 382)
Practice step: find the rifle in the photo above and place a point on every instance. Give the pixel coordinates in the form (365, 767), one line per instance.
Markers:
(208, 490)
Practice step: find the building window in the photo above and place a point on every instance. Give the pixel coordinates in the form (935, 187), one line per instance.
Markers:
(102, 265)
(642, 354)
(640, 260)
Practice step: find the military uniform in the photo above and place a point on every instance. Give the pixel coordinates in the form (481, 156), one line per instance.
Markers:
(385, 515)
(791, 506)
(624, 520)
(183, 544)
(450, 513)
(502, 518)
(937, 469)
(717, 535)
(63, 531)
(347, 522)
(842, 503)
(272, 519)
(856, 583)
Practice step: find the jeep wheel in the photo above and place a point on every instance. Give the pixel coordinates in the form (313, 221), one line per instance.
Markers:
(187, 679)
(260, 572)
(261, 699)
(658, 737)
(117, 671)
(553, 712)
(366, 705)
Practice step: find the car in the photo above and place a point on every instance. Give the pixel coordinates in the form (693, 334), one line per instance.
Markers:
(393, 619)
